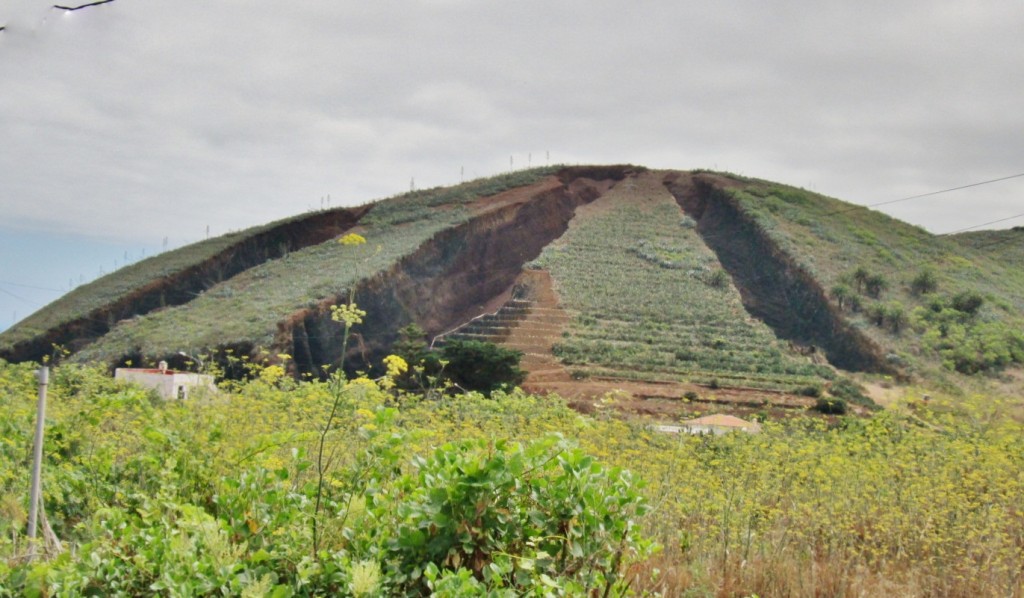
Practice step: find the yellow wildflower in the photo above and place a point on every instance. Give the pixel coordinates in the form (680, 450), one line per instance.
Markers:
(352, 239)
(396, 365)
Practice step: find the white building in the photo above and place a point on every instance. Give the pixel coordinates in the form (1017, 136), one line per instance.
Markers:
(710, 424)
(169, 384)
(719, 424)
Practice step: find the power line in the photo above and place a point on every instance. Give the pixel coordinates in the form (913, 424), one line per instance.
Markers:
(1005, 178)
(19, 298)
(28, 286)
(80, 7)
(963, 230)
(930, 193)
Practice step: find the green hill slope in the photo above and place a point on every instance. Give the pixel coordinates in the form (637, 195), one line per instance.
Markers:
(652, 301)
(665, 276)
(839, 247)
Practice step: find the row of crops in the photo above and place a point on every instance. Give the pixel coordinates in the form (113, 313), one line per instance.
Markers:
(651, 300)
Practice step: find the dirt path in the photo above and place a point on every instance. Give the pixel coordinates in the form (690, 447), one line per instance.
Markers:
(536, 334)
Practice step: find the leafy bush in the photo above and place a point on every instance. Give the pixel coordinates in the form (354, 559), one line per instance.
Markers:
(951, 327)
(512, 515)
(875, 284)
(924, 282)
(891, 315)
(968, 302)
(811, 390)
(468, 364)
(876, 313)
(830, 406)
(895, 316)
(842, 295)
(482, 366)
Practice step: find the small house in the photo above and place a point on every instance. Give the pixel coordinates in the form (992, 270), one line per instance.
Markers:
(169, 384)
(718, 424)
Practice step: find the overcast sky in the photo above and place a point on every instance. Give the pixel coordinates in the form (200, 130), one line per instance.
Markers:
(139, 120)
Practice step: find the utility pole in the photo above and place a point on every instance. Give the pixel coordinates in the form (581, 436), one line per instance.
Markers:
(37, 454)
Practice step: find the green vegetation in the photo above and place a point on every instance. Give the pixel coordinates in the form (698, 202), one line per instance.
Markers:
(469, 496)
(967, 343)
(830, 406)
(423, 205)
(652, 302)
(459, 365)
(248, 307)
(859, 255)
(481, 366)
(215, 497)
(925, 282)
(117, 285)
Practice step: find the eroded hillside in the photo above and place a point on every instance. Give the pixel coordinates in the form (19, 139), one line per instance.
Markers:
(655, 277)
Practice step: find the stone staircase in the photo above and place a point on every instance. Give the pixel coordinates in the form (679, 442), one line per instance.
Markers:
(530, 322)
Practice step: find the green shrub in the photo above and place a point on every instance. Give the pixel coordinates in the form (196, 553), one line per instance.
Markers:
(482, 366)
(895, 316)
(811, 390)
(470, 365)
(876, 313)
(830, 406)
(717, 279)
(875, 285)
(968, 302)
(513, 515)
(925, 282)
(842, 295)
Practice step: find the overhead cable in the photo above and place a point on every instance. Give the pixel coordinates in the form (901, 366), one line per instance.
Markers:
(963, 230)
(28, 286)
(930, 193)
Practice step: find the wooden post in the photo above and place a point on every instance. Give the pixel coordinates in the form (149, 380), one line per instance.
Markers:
(37, 452)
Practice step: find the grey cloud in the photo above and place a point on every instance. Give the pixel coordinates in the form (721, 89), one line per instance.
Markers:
(239, 113)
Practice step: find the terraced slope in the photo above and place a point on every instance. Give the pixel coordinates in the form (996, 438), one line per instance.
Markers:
(531, 321)
(652, 302)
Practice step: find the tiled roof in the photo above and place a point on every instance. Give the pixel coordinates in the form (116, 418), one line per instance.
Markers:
(721, 420)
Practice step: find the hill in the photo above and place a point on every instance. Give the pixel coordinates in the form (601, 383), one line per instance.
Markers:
(666, 283)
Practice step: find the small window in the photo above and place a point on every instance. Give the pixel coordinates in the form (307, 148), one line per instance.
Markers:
(181, 393)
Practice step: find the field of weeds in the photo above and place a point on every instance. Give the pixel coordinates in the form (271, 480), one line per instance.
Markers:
(220, 494)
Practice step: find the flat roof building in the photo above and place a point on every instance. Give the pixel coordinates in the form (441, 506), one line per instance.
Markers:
(169, 384)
